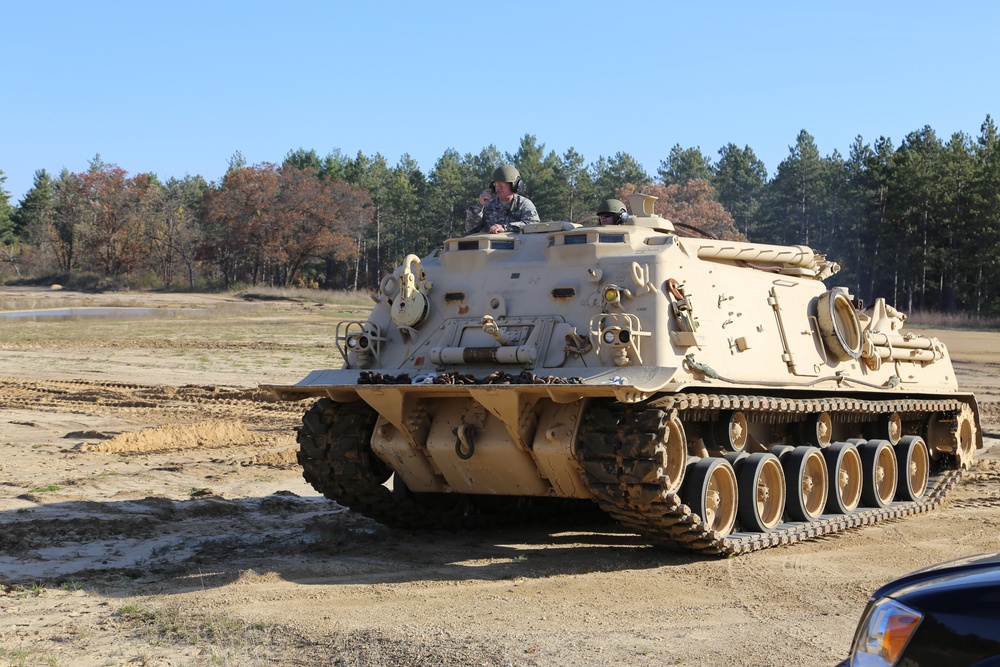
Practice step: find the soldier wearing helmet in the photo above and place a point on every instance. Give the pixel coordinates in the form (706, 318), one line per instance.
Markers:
(500, 208)
(611, 212)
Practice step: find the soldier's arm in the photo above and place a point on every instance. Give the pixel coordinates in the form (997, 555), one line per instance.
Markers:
(528, 212)
(473, 218)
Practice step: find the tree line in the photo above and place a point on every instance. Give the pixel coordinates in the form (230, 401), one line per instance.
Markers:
(918, 223)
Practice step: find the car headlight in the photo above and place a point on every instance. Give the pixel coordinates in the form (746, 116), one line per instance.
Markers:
(883, 634)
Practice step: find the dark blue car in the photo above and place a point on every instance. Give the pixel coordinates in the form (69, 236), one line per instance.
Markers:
(947, 615)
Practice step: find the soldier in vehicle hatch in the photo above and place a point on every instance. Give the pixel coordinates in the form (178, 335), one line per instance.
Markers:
(500, 208)
(611, 212)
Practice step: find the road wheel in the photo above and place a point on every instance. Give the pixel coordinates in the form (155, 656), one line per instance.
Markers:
(914, 464)
(761, 483)
(878, 463)
(710, 492)
(781, 451)
(888, 426)
(806, 483)
(816, 430)
(736, 460)
(729, 433)
(843, 463)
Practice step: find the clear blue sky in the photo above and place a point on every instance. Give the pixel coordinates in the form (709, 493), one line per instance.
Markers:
(176, 88)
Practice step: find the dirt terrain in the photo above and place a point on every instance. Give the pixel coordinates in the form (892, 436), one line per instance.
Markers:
(151, 513)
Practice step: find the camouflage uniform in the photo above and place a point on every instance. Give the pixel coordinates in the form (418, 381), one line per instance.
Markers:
(512, 215)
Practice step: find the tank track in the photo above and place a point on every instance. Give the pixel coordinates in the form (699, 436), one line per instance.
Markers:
(627, 435)
(336, 461)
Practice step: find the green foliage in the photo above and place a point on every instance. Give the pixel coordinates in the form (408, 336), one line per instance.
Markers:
(983, 241)
(683, 165)
(453, 187)
(304, 159)
(46, 489)
(740, 182)
(794, 197)
(35, 210)
(540, 172)
(918, 223)
(8, 230)
(578, 193)
(236, 162)
(613, 174)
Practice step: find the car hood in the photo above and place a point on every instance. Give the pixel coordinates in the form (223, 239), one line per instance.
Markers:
(981, 571)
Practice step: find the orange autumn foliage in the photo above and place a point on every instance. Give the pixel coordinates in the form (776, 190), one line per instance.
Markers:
(691, 205)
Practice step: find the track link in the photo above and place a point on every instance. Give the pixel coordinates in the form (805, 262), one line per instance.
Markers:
(626, 438)
(336, 461)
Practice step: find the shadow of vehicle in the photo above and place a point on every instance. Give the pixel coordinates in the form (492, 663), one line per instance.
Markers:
(212, 541)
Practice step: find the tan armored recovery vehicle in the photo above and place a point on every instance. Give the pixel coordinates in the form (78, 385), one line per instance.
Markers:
(710, 395)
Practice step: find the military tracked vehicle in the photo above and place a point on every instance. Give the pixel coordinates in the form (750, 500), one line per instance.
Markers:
(714, 396)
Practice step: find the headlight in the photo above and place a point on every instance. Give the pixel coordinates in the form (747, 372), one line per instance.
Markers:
(610, 336)
(883, 634)
(358, 343)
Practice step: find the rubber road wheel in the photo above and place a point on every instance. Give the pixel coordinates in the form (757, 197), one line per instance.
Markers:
(843, 464)
(761, 483)
(806, 481)
(914, 464)
(878, 463)
(710, 492)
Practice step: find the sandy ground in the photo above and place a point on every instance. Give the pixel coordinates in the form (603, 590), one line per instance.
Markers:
(151, 513)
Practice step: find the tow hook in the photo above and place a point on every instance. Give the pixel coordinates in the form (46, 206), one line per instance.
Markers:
(465, 444)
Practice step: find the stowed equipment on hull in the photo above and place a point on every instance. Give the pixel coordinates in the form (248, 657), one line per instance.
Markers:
(711, 395)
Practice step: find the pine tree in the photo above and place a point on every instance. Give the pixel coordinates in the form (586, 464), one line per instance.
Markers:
(685, 164)
(8, 230)
(612, 174)
(915, 214)
(579, 188)
(303, 159)
(449, 196)
(9, 233)
(792, 202)
(740, 182)
(540, 173)
(983, 240)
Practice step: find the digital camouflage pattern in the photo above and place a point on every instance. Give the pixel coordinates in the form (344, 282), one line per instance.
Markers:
(511, 215)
